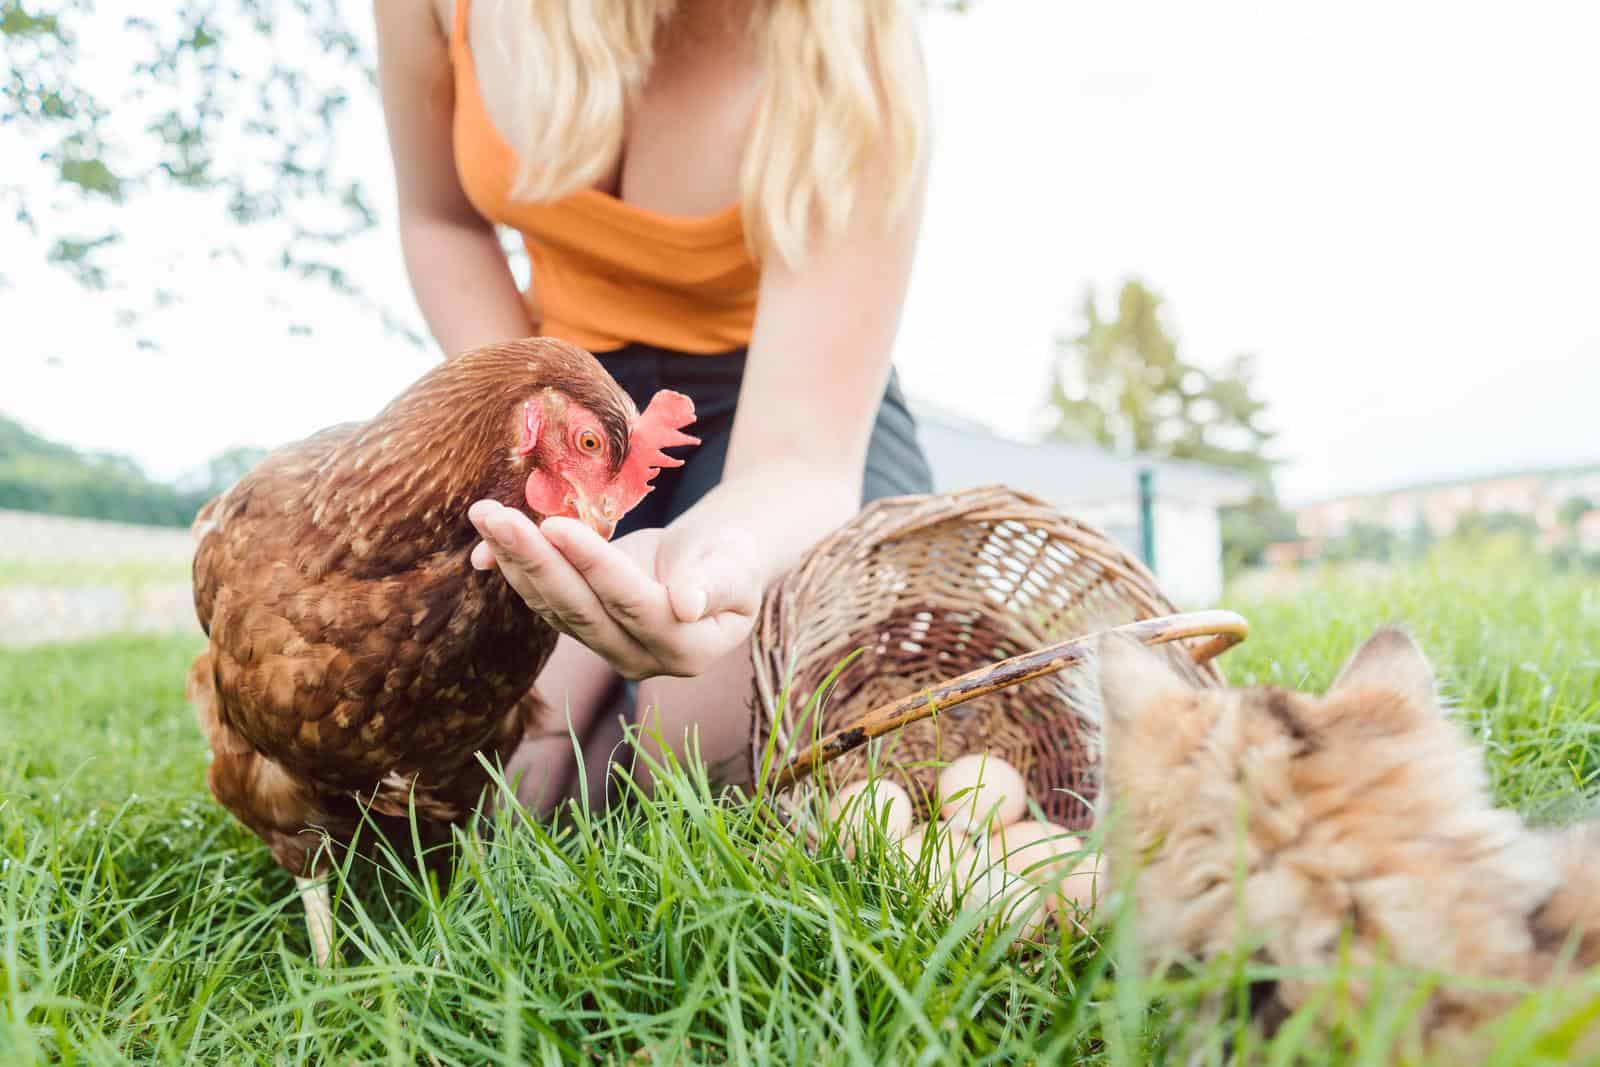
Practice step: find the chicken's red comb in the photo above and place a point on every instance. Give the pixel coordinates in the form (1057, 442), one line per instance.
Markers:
(659, 427)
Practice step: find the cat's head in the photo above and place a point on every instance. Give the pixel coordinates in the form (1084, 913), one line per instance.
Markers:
(1170, 746)
(1303, 796)
(1308, 829)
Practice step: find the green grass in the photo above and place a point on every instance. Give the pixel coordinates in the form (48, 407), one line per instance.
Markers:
(124, 574)
(139, 924)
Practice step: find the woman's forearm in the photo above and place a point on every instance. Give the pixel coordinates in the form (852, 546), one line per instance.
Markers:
(463, 284)
(785, 508)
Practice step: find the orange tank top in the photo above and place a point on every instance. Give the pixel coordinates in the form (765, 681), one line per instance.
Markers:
(607, 273)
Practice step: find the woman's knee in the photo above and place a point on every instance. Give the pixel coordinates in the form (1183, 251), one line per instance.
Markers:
(706, 718)
(574, 685)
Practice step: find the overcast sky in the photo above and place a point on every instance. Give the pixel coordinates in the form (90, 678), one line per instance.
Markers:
(1393, 206)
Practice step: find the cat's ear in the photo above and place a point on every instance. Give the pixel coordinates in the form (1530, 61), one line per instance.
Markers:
(1390, 660)
(1132, 677)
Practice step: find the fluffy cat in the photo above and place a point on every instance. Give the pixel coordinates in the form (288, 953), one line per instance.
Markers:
(1362, 816)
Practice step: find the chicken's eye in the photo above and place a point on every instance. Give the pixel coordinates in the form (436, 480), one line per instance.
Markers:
(589, 441)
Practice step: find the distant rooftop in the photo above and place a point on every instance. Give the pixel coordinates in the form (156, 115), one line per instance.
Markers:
(964, 453)
(1579, 470)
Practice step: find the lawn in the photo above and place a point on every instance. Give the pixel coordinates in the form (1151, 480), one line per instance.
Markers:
(129, 574)
(139, 924)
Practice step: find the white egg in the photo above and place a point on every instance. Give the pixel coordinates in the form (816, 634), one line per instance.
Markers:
(876, 799)
(968, 870)
(1006, 899)
(915, 843)
(1079, 890)
(974, 858)
(1037, 850)
(980, 791)
(981, 886)
(953, 857)
(911, 844)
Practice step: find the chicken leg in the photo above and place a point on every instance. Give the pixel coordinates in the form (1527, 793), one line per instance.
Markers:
(318, 902)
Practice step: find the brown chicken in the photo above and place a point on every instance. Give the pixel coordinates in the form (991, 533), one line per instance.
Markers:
(357, 662)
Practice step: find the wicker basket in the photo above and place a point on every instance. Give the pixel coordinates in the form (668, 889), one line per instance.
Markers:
(932, 591)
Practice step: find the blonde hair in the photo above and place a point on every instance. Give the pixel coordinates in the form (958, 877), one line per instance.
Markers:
(842, 92)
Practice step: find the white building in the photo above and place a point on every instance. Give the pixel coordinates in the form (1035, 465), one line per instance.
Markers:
(1101, 488)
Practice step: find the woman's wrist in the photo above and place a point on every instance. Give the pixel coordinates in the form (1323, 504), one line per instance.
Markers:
(785, 509)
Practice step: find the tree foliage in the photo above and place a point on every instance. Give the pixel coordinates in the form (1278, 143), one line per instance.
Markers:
(1477, 525)
(227, 467)
(1371, 541)
(119, 109)
(1476, 537)
(1249, 528)
(238, 106)
(1573, 509)
(37, 474)
(1120, 382)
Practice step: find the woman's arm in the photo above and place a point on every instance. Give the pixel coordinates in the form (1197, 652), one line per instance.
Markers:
(814, 379)
(459, 273)
(675, 601)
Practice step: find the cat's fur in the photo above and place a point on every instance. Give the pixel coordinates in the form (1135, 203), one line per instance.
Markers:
(1361, 816)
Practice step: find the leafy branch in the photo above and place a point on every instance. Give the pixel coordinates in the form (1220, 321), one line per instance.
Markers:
(196, 101)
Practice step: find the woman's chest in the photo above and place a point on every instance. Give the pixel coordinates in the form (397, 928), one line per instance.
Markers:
(682, 138)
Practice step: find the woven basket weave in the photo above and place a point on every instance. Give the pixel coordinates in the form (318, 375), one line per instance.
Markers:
(929, 588)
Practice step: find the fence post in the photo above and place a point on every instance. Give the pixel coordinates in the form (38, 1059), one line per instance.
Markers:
(1147, 517)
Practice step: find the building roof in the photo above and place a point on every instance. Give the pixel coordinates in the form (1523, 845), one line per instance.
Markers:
(963, 453)
(1455, 482)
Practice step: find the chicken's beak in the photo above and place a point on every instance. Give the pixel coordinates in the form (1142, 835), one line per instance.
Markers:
(599, 514)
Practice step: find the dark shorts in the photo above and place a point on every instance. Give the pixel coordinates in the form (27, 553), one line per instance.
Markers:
(895, 463)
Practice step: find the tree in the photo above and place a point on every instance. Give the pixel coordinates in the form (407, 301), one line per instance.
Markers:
(1572, 509)
(1363, 541)
(1248, 529)
(228, 466)
(1422, 537)
(1122, 383)
(1481, 526)
(237, 107)
(234, 108)
(37, 474)
(1569, 554)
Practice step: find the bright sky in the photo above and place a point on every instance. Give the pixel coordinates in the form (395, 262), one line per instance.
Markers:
(1394, 206)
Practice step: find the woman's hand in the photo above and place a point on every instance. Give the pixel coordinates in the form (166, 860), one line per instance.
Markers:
(654, 602)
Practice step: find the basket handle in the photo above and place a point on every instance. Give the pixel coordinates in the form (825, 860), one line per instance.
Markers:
(1225, 628)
